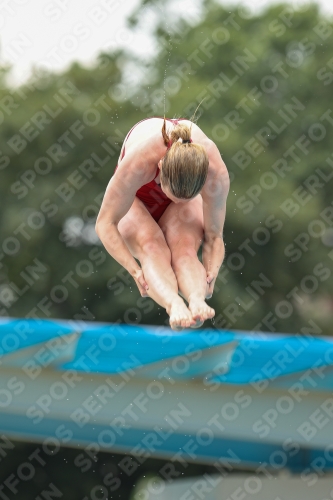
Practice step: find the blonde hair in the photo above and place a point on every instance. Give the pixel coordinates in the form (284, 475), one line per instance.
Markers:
(185, 165)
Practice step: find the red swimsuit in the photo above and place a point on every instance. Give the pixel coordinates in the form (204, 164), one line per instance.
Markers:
(151, 194)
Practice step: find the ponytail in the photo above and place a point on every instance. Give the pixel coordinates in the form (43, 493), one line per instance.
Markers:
(180, 131)
(165, 135)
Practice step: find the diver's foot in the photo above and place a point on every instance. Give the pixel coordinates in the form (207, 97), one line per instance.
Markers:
(180, 316)
(200, 311)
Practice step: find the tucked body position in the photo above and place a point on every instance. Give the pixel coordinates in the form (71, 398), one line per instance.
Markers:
(166, 198)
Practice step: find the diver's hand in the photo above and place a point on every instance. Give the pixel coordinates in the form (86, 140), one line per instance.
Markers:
(211, 278)
(141, 282)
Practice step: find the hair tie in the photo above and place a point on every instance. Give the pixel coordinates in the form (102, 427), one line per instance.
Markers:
(182, 141)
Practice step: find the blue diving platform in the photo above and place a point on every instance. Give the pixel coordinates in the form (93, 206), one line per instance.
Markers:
(251, 399)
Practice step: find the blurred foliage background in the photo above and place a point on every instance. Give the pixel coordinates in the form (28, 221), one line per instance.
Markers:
(267, 83)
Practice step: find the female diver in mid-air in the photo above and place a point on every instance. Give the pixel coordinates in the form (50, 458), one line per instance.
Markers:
(166, 197)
